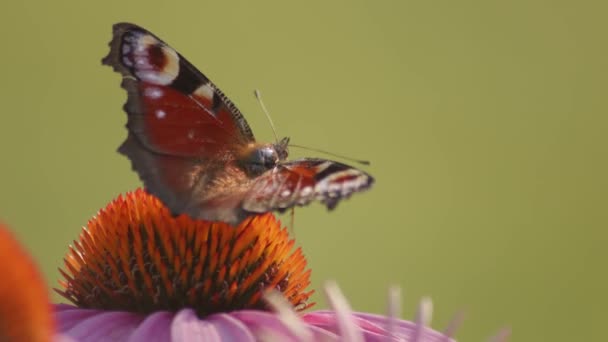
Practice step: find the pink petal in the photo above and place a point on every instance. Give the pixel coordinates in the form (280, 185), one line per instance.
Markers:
(347, 328)
(373, 327)
(329, 320)
(187, 327)
(69, 316)
(154, 328)
(231, 329)
(260, 321)
(106, 326)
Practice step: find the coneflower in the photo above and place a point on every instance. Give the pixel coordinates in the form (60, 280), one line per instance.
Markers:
(139, 273)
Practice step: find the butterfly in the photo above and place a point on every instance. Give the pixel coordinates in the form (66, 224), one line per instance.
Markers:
(193, 149)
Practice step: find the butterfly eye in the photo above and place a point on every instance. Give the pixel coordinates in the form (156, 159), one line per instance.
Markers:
(260, 160)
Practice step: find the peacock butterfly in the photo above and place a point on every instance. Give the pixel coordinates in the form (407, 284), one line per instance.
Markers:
(193, 149)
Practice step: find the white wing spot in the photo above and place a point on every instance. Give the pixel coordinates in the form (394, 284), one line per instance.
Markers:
(334, 187)
(285, 193)
(321, 167)
(306, 191)
(161, 114)
(190, 134)
(143, 42)
(153, 92)
(353, 182)
(205, 91)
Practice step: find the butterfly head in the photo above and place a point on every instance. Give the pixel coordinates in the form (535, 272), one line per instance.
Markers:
(258, 158)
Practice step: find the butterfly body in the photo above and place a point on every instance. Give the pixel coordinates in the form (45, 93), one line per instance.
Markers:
(193, 148)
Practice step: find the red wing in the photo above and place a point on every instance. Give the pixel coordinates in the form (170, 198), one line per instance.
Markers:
(187, 186)
(185, 137)
(301, 181)
(173, 108)
(183, 132)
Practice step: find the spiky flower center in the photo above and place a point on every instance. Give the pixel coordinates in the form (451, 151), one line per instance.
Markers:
(135, 256)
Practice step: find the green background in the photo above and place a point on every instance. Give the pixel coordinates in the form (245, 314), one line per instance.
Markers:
(485, 121)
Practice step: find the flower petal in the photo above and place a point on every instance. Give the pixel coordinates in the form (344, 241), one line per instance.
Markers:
(323, 335)
(154, 328)
(346, 325)
(394, 310)
(68, 316)
(187, 327)
(105, 326)
(262, 322)
(287, 315)
(328, 320)
(501, 336)
(404, 329)
(62, 338)
(231, 329)
(373, 327)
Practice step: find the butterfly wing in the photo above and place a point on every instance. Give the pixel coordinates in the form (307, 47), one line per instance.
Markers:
(298, 182)
(183, 131)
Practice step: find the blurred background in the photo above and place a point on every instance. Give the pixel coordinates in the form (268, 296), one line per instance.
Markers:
(485, 123)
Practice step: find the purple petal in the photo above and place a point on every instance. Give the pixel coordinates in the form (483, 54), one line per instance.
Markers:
(502, 336)
(345, 322)
(262, 322)
(154, 328)
(265, 324)
(231, 329)
(321, 334)
(380, 320)
(69, 316)
(393, 310)
(62, 338)
(329, 320)
(105, 326)
(423, 317)
(374, 326)
(187, 327)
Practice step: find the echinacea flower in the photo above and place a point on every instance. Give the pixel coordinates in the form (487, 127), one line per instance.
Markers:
(25, 313)
(137, 273)
(135, 262)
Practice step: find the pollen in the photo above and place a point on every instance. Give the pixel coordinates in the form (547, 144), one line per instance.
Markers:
(136, 256)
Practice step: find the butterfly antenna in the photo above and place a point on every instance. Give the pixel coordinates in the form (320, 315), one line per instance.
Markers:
(358, 161)
(258, 96)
